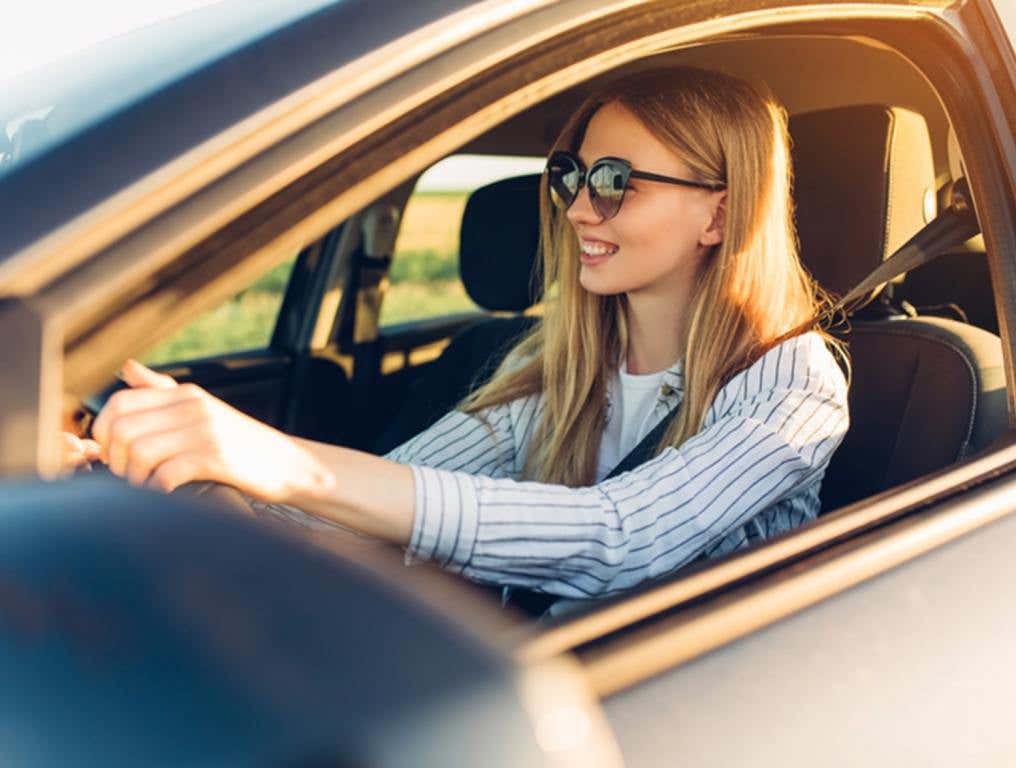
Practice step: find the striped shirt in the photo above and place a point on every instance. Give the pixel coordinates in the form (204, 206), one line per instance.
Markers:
(753, 471)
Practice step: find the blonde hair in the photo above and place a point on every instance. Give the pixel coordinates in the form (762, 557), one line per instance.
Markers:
(751, 293)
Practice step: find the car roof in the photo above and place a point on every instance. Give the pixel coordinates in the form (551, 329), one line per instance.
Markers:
(166, 88)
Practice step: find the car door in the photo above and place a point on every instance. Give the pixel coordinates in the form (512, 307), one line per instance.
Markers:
(240, 350)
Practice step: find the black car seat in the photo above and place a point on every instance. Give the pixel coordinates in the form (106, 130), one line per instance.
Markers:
(926, 391)
(957, 284)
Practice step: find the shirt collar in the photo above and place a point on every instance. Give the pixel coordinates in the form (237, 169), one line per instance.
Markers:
(672, 387)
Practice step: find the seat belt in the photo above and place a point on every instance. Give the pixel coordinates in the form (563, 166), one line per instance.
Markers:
(646, 448)
(380, 227)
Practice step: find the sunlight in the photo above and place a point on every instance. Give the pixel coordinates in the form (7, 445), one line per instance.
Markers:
(48, 31)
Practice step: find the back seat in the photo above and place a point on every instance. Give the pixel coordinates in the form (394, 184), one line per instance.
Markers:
(926, 391)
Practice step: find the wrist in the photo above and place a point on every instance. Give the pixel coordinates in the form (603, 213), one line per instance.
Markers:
(311, 479)
(358, 490)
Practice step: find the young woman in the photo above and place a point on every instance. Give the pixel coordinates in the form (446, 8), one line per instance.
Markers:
(673, 280)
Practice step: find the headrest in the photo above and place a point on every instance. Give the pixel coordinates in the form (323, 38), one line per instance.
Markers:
(860, 178)
(498, 243)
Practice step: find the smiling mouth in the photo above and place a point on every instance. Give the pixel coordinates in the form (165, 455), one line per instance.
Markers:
(595, 252)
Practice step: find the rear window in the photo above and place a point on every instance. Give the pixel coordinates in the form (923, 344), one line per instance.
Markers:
(424, 279)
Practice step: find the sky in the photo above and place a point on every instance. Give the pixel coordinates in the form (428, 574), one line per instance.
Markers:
(1007, 10)
(461, 172)
(48, 30)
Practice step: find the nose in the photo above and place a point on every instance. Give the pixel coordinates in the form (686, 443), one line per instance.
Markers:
(581, 210)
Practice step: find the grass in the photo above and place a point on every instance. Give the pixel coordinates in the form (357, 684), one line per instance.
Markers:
(430, 222)
(425, 271)
(412, 301)
(423, 283)
(246, 321)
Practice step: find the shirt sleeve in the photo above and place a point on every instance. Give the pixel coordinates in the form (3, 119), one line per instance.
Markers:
(768, 435)
(477, 444)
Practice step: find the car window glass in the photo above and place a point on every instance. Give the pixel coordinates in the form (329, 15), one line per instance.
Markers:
(424, 279)
(1007, 11)
(244, 322)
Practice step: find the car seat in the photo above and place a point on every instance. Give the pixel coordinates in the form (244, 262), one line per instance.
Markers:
(926, 391)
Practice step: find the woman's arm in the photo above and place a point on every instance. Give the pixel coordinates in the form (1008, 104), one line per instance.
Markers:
(370, 494)
(752, 472)
(165, 435)
(771, 437)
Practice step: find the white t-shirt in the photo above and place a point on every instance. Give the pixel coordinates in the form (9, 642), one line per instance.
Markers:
(630, 417)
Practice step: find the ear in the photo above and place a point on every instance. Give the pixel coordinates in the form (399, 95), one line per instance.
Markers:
(713, 233)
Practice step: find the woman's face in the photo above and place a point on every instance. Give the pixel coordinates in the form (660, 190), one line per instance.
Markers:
(656, 242)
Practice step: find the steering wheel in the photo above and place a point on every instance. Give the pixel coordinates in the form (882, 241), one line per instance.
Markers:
(224, 495)
(208, 490)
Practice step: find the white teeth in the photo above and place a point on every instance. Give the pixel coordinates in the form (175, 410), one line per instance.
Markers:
(598, 249)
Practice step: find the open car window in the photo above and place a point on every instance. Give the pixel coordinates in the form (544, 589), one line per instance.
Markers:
(243, 323)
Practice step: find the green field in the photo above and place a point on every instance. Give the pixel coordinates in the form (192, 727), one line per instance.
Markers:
(423, 283)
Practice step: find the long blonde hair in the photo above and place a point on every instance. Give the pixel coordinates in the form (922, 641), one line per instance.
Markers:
(751, 293)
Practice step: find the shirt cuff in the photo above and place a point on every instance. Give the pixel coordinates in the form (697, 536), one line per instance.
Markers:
(446, 518)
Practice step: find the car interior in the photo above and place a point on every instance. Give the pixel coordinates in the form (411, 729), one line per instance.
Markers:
(874, 158)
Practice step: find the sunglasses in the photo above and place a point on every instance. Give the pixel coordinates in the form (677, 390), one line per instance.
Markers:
(607, 180)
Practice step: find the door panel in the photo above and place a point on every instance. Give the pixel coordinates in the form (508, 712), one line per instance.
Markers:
(914, 667)
(278, 382)
(254, 383)
(402, 358)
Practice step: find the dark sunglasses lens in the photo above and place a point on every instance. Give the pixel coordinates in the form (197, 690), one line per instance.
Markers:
(563, 179)
(606, 188)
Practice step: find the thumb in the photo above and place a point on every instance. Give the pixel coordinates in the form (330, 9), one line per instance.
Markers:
(137, 375)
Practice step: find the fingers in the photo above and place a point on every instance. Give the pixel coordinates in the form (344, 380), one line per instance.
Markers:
(147, 455)
(179, 470)
(138, 375)
(92, 450)
(126, 431)
(128, 401)
(76, 452)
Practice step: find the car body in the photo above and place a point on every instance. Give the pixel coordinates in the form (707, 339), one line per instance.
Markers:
(879, 633)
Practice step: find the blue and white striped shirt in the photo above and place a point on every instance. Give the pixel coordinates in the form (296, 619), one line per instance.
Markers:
(752, 472)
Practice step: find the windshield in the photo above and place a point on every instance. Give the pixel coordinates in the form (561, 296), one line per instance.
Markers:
(69, 67)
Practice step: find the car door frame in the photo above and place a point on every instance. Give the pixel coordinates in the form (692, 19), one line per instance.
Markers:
(424, 131)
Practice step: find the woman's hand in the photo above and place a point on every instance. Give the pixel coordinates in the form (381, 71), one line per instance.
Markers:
(164, 434)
